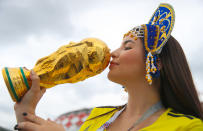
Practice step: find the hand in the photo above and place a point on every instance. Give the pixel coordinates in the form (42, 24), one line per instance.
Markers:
(35, 123)
(30, 100)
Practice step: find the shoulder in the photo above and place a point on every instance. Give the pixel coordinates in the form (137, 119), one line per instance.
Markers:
(195, 125)
(186, 122)
(175, 114)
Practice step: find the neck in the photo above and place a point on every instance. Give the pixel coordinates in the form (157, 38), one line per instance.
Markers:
(140, 99)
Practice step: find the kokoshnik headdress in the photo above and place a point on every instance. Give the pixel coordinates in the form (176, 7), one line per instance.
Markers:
(155, 34)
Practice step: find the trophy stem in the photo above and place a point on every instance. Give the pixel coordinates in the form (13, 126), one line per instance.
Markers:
(16, 81)
(9, 84)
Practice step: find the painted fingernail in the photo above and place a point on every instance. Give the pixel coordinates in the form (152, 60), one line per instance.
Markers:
(24, 114)
(16, 127)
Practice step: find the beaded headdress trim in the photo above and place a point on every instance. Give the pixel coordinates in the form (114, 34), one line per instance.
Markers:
(156, 33)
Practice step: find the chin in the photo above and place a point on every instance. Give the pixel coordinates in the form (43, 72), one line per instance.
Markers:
(110, 76)
(113, 77)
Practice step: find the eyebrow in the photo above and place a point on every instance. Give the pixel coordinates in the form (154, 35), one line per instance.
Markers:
(128, 41)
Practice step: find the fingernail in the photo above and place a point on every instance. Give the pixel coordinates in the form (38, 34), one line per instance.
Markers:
(16, 127)
(24, 114)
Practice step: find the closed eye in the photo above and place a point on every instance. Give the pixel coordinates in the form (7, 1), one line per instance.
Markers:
(127, 48)
(126, 43)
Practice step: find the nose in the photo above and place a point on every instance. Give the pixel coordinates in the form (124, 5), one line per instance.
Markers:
(114, 54)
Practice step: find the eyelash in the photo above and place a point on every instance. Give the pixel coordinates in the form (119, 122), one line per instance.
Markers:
(127, 48)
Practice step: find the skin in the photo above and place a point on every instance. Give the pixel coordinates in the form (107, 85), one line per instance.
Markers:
(28, 104)
(130, 72)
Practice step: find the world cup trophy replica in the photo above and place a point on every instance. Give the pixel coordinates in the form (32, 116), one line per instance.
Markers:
(69, 64)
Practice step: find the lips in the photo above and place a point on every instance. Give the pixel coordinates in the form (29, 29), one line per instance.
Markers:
(112, 64)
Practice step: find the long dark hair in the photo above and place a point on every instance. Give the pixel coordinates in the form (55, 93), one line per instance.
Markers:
(177, 89)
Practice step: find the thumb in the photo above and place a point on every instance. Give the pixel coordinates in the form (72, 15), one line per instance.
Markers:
(35, 81)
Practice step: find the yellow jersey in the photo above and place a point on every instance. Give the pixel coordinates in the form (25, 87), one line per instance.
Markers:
(170, 120)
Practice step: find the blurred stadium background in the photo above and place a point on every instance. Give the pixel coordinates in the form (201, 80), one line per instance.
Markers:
(71, 120)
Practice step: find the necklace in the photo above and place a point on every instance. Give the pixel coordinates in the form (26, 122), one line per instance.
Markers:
(148, 113)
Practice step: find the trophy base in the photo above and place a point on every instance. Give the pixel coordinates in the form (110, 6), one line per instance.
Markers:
(16, 82)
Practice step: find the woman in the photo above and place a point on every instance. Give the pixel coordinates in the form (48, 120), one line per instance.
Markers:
(152, 67)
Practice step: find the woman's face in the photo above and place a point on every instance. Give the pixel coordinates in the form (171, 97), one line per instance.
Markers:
(130, 64)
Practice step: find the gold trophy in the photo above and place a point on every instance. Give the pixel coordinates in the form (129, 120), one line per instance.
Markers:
(69, 64)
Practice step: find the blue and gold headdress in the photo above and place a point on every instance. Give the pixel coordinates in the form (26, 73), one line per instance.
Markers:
(155, 33)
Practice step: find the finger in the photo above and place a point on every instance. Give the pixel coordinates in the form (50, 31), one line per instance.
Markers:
(27, 126)
(35, 80)
(33, 118)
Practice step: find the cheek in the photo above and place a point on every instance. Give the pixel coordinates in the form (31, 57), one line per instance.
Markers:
(132, 60)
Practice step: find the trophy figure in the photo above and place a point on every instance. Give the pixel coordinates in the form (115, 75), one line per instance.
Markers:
(69, 64)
